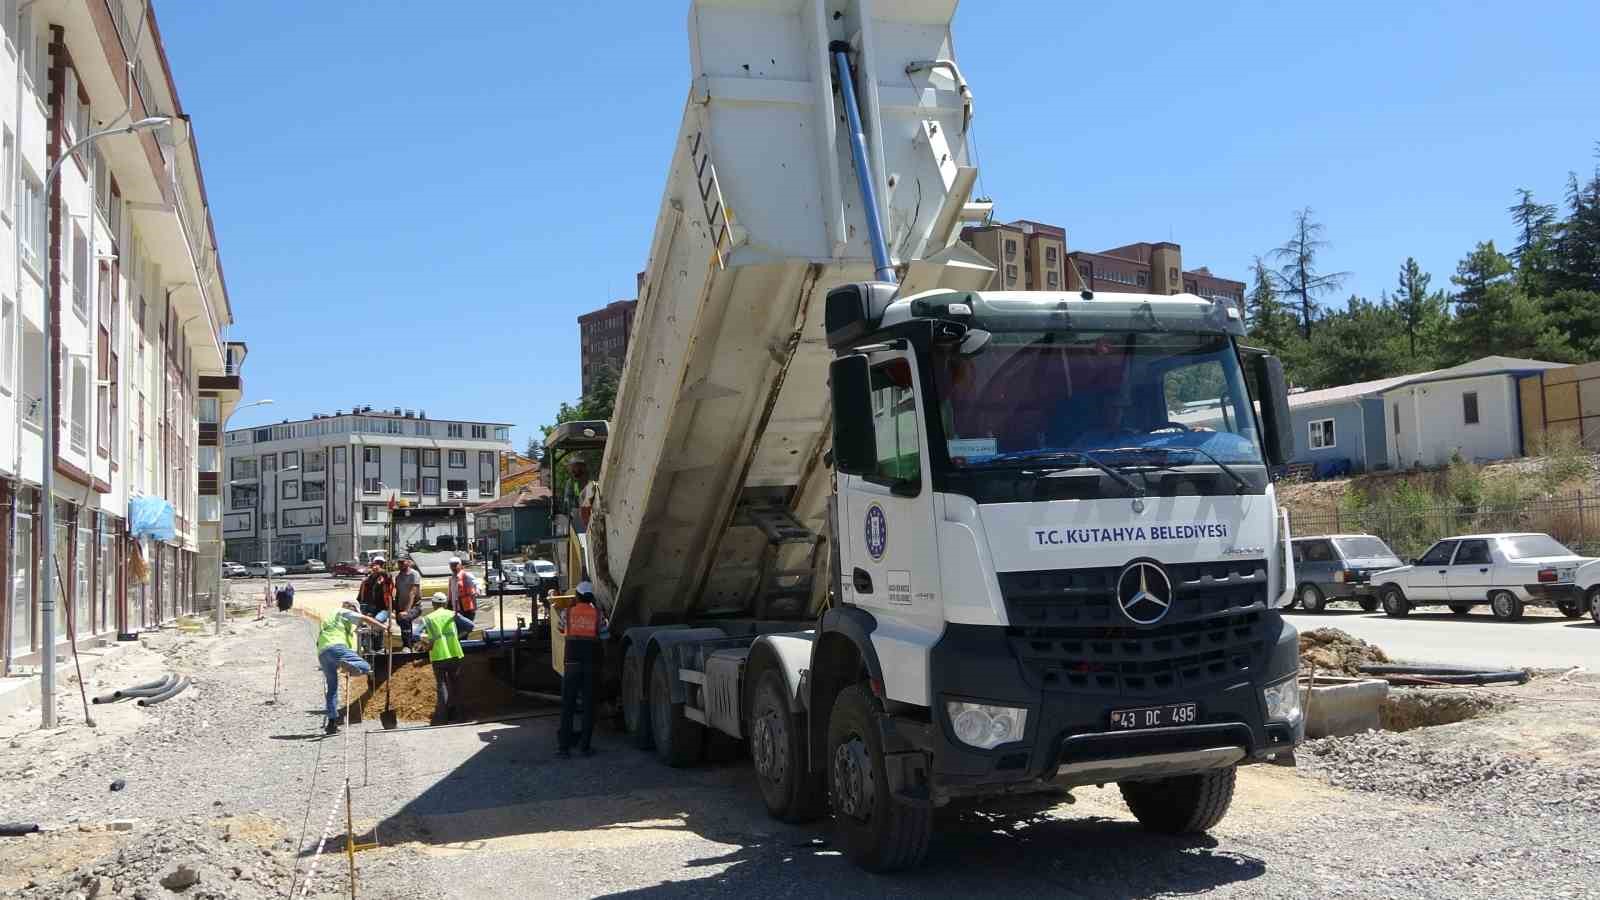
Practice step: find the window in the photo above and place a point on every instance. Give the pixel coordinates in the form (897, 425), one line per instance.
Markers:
(243, 496)
(894, 410)
(430, 486)
(1439, 555)
(244, 468)
(8, 164)
(371, 512)
(502, 433)
(210, 508)
(207, 410)
(453, 429)
(1011, 273)
(480, 431)
(1142, 278)
(1318, 551)
(8, 342)
(1050, 255)
(1172, 275)
(408, 456)
(430, 459)
(312, 490)
(1052, 280)
(207, 459)
(456, 489)
(1011, 248)
(370, 455)
(371, 485)
(302, 518)
(408, 484)
(458, 459)
(485, 460)
(1473, 553)
(269, 463)
(486, 487)
(1469, 408)
(80, 273)
(80, 405)
(313, 461)
(291, 459)
(1322, 434)
(291, 490)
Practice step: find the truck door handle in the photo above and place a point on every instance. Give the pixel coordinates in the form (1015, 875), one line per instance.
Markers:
(863, 581)
(1483, 570)
(1444, 571)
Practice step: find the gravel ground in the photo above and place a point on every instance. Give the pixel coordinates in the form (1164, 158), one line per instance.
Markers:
(217, 785)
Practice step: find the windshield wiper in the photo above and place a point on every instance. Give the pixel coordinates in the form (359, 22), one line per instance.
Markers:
(1226, 469)
(1021, 461)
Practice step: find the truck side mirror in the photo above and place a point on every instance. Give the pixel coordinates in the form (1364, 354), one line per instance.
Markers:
(1275, 418)
(855, 446)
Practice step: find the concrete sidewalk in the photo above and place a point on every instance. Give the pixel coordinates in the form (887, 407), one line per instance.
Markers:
(19, 692)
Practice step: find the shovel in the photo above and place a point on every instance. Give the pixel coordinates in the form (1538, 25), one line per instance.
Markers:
(388, 719)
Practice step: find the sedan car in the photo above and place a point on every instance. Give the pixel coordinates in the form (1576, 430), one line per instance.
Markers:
(1587, 580)
(349, 569)
(260, 569)
(316, 566)
(1505, 571)
(540, 577)
(1339, 567)
(234, 570)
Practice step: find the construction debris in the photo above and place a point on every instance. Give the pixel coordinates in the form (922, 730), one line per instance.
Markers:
(1330, 651)
(1406, 709)
(409, 693)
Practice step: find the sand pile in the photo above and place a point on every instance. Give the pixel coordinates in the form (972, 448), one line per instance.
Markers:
(410, 694)
(1333, 652)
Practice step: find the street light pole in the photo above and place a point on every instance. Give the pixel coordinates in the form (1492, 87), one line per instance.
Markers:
(47, 476)
(222, 453)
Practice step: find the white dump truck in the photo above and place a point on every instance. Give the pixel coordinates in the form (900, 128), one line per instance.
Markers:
(908, 539)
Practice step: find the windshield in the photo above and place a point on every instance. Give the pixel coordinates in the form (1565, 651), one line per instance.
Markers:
(1364, 548)
(1532, 546)
(1124, 397)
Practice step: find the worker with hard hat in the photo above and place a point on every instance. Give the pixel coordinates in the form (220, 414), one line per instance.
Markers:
(463, 593)
(582, 625)
(440, 639)
(336, 642)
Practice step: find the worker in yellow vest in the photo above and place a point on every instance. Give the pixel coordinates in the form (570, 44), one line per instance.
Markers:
(440, 638)
(336, 641)
(582, 625)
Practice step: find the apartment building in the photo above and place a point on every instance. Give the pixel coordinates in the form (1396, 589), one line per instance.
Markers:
(603, 339)
(1028, 256)
(121, 247)
(330, 487)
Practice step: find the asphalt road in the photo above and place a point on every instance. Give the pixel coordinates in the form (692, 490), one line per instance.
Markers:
(1434, 634)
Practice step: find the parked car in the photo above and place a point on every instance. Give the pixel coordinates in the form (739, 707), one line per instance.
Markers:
(316, 566)
(260, 568)
(508, 575)
(1505, 571)
(540, 577)
(1340, 567)
(234, 570)
(1587, 580)
(349, 569)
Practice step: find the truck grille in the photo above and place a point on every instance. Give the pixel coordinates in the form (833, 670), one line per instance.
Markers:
(1069, 635)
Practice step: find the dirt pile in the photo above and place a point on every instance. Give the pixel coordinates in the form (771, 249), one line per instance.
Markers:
(409, 693)
(1333, 652)
(1426, 707)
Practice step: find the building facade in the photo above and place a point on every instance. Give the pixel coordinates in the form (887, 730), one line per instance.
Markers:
(603, 339)
(331, 487)
(121, 247)
(1028, 256)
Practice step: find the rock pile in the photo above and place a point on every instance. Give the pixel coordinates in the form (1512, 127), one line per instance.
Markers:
(1333, 652)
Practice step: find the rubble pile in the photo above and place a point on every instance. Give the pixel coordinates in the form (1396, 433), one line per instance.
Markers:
(1408, 708)
(1330, 651)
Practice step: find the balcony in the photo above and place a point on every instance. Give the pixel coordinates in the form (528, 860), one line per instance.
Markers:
(456, 495)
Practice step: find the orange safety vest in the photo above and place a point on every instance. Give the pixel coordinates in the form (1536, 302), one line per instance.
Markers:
(583, 621)
(464, 598)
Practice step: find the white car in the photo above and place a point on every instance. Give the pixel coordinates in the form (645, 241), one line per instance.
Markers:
(540, 574)
(234, 570)
(258, 569)
(316, 565)
(1505, 571)
(1587, 580)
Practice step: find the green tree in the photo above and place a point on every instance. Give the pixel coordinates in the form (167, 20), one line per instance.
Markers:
(1577, 314)
(1536, 223)
(1364, 342)
(1270, 324)
(1494, 316)
(1297, 276)
(1421, 313)
(1577, 241)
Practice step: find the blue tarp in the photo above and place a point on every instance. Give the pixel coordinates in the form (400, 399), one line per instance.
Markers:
(151, 517)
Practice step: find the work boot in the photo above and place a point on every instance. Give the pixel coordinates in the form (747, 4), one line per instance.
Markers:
(332, 727)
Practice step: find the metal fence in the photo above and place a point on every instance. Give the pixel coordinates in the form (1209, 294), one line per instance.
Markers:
(1574, 521)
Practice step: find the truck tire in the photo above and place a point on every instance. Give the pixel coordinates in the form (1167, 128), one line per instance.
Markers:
(678, 741)
(1395, 603)
(793, 792)
(1506, 606)
(1461, 609)
(635, 703)
(1368, 604)
(1182, 804)
(879, 832)
(1311, 599)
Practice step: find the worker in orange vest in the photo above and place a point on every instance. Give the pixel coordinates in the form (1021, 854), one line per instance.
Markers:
(463, 592)
(582, 625)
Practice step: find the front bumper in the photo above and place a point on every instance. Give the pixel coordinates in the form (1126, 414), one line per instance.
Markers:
(1068, 741)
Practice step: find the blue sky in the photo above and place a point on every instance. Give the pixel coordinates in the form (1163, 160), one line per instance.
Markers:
(415, 200)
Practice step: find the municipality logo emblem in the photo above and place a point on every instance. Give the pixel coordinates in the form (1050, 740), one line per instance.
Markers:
(877, 531)
(1144, 592)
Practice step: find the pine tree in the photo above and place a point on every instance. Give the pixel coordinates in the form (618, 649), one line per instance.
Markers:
(1362, 343)
(1270, 323)
(1577, 244)
(1420, 312)
(1535, 249)
(1495, 317)
(1297, 275)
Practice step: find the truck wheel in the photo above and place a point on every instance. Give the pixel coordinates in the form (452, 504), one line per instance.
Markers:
(1183, 804)
(1572, 609)
(1369, 604)
(678, 741)
(1592, 599)
(1506, 606)
(1395, 603)
(777, 746)
(1311, 598)
(879, 832)
(635, 706)
(1461, 609)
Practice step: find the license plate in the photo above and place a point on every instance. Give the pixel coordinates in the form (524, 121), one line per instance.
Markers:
(1155, 716)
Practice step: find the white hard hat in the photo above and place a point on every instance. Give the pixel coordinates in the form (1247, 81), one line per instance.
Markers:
(584, 587)
(379, 558)
(439, 599)
(455, 560)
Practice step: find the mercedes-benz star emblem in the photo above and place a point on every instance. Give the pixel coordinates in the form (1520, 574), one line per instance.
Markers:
(1144, 592)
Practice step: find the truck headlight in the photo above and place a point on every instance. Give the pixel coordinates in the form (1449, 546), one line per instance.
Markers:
(1283, 700)
(983, 726)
